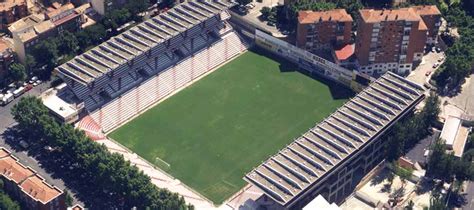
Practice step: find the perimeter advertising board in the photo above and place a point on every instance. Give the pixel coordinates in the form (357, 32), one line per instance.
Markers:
(308, 61)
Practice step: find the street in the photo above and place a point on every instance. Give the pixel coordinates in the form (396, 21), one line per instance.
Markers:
(469, 196)
(6, 121)
(425, 70)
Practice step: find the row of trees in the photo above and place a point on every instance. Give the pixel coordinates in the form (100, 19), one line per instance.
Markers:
(460, 56)
(114, 182)
(410, 130)
(446, 167)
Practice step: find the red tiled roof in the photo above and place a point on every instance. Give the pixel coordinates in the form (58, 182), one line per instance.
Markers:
(427, 10)
(65, 19)
(337, 15)
(345, 52)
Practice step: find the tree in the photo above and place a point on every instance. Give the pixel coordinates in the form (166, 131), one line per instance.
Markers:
(27, 113)
(431, 110)
(30, 62)
(137, 6)
(67, 43)
(446, 167)
(116, 18)
(46, 52)
(107, 177)
(167, 3)
(265, 12)
(17, 72)
(69, 199)
(437, 203)
(7, 203)
(244, 2)
(410, 205)
(91, 35)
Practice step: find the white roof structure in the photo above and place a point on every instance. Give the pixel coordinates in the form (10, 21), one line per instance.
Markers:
(315, 154)
(450, 129)
(138, 40)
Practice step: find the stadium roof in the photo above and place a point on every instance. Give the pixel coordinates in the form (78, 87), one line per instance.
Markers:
(120, 49)
(306, 161)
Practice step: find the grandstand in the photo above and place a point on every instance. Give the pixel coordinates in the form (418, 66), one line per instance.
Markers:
(332, 156)
(121, 77)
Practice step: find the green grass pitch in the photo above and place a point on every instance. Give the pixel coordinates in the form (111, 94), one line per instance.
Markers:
(214, 131)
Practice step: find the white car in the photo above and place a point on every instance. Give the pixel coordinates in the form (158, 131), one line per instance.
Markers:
(37, 83)
(250, 6)
(33, 80)
(435, 65)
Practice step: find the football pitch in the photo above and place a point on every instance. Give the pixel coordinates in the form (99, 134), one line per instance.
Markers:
(211, 133)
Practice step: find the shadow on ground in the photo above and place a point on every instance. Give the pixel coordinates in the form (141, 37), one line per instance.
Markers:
(337, 90)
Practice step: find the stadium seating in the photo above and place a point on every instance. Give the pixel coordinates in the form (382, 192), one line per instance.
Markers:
(168, 79)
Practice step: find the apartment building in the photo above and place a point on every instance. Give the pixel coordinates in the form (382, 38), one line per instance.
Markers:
(325, 29)
(389, 40)
(11, 11)
(24, 184)
(29, 31)
(432, 18)
(6, 58)
(104, 6)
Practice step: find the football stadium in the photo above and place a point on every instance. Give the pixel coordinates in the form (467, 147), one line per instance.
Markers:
(215, 130)
(189, 94)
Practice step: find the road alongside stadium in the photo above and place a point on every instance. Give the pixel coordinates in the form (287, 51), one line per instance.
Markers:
(7, 121)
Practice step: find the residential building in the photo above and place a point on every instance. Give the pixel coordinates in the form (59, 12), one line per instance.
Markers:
(432, 18)
(11, 11)
(27, 186)
(64, 17)
(29, 31)
(389, 40)
(6, 58)
(325, 29)
(104, 6)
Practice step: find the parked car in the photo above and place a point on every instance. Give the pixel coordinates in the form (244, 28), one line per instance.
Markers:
(18, 92)
(435, 65)
(242, 10)
(7, 98)
(37, 83)
(28, 87)
(250, 6)
(440, 59)
(428, 73)
(438, 50)
(33, 80)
